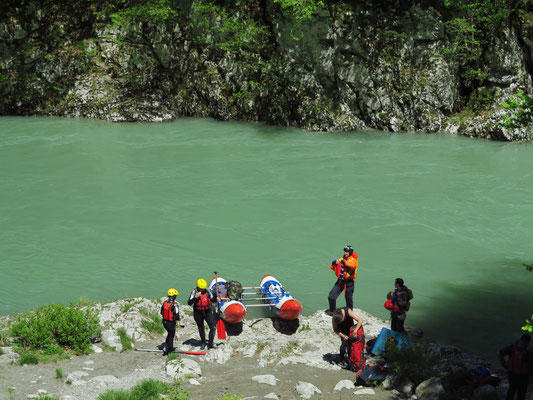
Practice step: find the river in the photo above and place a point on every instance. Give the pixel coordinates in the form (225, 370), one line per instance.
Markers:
(97, 210)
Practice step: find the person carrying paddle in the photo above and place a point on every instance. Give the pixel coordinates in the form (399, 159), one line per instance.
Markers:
(346, 270)
(201, 299)
(343, 322)
(170, 313)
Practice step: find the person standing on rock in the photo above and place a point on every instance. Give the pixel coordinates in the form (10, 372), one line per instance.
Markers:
(170, 313)
(343, 322)
(346, 270)
(201, 299)
(518, 361)
(398, 302)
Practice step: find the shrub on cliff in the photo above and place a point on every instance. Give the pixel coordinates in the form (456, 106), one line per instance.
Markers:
(415, 362)
(56, 324)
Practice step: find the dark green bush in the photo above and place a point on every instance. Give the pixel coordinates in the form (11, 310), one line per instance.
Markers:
(56, 325)
(415, 361)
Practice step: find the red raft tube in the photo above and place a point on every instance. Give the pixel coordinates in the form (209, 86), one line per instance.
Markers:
(282, 304)
(231, 311)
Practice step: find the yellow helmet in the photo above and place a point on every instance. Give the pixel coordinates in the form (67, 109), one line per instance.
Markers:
(201, 284)
(172, 292)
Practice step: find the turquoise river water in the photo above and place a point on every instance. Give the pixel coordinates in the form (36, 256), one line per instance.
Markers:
(96, 210)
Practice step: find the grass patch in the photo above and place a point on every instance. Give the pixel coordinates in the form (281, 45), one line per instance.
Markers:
(148, 389)
(119, 394)
(230, 396)
(173, 356)
(1, 351)
(28, 358)
(153, 325)
(59, 373)
(304, 328)
(125, 340)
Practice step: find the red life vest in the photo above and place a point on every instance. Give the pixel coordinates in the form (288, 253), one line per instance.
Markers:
(204, 303)
(168, 311)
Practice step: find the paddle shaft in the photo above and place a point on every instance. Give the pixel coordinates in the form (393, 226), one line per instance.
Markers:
(195, 353)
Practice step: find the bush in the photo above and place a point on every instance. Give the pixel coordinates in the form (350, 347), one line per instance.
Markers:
(58, 325)
(59, 373)
(28, 358)
(415, 361)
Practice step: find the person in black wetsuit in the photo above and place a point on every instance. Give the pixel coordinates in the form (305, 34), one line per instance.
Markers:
(201, 299)
(343, 320)
(170, 313)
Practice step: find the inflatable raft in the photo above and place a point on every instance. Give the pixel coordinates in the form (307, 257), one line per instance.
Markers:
(282, 304)
(231, 311)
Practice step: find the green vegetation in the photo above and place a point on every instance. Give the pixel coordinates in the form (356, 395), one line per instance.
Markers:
(28, 358)
(415, 362)
(522, 116)
(59, 373)
(56, 325)
(230, 396)
(173, 356)
(148, 389)
(304, 328)
(154, 325)
(125, 340)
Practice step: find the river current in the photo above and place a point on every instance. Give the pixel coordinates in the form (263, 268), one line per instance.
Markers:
(97, 210)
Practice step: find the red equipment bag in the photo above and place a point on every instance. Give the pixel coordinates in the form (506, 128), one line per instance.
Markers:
(356, 350)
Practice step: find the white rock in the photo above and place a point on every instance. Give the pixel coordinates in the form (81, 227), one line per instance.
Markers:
(32, 396)
(272, 396)
(266, 379)
(306, 389)
(106, 379)
(364, 391)
(96, 349)
(194, 382)
(249, 351)
(180, 369)
(68, 397)
(344, 384)
(89, 362)
(41, 391)
(111, 338)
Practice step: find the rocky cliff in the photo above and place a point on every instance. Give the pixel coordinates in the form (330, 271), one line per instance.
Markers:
(352, 65)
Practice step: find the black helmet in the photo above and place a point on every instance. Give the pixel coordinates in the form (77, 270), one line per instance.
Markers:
(349, 249)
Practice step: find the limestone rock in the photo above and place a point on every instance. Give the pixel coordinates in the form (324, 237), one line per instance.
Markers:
(365, 391)
(266, 379)
(430, 389)
(306, 389)
(344, 384)
(184, 368)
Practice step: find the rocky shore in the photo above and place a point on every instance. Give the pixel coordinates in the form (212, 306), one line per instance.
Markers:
(267, 358)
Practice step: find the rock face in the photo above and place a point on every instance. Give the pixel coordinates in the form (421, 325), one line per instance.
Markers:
(367, 65)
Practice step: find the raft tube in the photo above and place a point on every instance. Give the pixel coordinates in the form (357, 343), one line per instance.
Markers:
(282, 304)
(231, 311)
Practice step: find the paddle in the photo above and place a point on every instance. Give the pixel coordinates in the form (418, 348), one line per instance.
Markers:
(194, 353)
(221, 328)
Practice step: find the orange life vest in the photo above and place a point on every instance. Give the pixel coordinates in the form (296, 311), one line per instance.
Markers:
(349, 271)
(168, 311)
